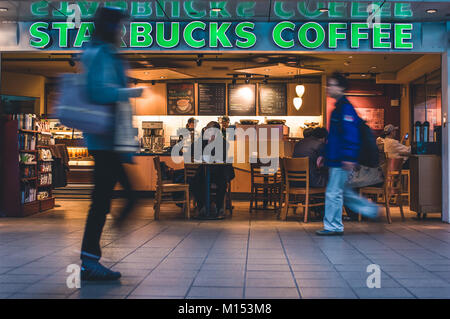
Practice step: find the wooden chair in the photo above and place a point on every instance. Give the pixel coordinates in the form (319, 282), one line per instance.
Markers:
(266, 186)
(297, 170)
(162, 188)
(392, 186)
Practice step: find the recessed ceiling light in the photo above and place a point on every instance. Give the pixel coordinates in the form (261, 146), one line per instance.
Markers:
(267, 70)
(373, 67)
(350, 56)
(323, 9)
(146, 73)
(363, 75)
(163, 77)
(3, 9)
(431, 11)
(216, 9)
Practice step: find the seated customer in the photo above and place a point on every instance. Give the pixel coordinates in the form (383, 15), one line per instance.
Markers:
(312, 146)
(220, 175)
(392, 147)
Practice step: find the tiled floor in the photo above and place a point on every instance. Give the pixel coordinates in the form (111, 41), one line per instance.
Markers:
(240, 257)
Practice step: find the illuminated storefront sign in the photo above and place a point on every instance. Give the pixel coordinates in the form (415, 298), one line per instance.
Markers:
(232, 35)
(191, 9)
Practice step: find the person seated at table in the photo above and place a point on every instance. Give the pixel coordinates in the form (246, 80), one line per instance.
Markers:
(312, 146)
(393, 147)
(220, 175)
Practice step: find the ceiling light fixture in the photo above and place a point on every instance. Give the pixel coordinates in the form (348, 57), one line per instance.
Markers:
(216, 9)
(363, 75)
(323, 9)
(162, 77)
(373, 67)
(3, 9)
(431, 11)
(346, 63)
(298, 101)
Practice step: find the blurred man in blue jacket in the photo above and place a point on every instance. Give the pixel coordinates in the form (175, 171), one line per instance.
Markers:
(342, 152)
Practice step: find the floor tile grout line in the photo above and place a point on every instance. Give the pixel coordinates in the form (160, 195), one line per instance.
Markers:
(164, 258)
(289, 264)
(426, 248)
(395, 280)
(198, 271)
(244, 290)
(133, 250)
(334, 266)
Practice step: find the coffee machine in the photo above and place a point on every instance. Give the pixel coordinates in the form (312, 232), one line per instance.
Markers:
(153, 136)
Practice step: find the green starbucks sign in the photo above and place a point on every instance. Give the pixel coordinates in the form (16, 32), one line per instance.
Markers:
(214, 35)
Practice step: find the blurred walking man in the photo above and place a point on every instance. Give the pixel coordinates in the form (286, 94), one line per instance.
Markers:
(342, 152)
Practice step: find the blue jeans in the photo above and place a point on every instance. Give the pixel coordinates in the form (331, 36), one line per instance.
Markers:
(338, 194)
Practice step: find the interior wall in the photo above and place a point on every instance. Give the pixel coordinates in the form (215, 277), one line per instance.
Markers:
(24, 85)
(367, 94)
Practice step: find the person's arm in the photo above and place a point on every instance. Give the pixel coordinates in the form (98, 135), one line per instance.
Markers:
(101, 90)
(350, 135)
(399, 148)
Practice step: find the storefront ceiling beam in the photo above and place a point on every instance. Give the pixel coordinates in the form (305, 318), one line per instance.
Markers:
(423, 65)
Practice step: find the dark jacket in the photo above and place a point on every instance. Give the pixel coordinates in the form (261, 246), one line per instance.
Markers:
(343, 138)
(312, 148)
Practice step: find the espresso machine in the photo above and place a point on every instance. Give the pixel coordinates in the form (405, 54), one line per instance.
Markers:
(153, 136)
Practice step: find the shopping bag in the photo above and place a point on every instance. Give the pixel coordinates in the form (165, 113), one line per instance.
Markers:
(75, 110)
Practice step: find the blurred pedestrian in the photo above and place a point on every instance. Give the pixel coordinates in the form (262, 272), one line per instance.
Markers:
(342, 152)
(107, 84)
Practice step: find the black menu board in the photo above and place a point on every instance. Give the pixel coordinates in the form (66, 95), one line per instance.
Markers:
(272, 99)
(180, 99)
(241, 99)
(211, 99)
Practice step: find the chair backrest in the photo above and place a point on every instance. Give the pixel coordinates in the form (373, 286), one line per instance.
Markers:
(263, 173)
(189, 171)
(393, 173)
(296, 170)
(157, 164)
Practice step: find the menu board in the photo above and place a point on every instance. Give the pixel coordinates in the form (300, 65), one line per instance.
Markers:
(180, 99)
(272, 99)
(211, 99)
(241, 99)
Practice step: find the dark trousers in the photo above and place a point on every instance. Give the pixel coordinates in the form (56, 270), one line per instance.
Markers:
(108, 171)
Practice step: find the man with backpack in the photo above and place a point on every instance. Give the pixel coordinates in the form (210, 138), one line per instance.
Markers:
(346, 135)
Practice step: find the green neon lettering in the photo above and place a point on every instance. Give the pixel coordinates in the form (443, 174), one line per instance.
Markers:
(63, 28)
(140, 36)
(356, 35)
(117, 4)
(359, 10)
(336, 9)
(280, 12)
(63, 10)
(241, 32)
(42, 37)
(219, 5)
(84, 34)
(403, 10)
(246, 9)
(39, 9)
(161, 7)
(379, 36)
(174, 35)
(218, 34)
(400, 36)
(303, 35)
(334, 35)
(141, 9)
(188, 34)
(304, 10)
(191, 12)
(277, 31)
(88, 8)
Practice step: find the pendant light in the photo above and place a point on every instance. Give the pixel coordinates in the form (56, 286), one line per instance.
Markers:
(299, 90)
